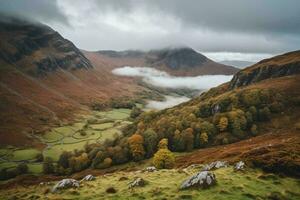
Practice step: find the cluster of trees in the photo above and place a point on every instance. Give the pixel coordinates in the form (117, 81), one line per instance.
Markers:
(21, 169)
(217, 120)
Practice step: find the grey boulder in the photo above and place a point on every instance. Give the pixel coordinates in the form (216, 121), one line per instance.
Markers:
(239, 166)
(66, 183)
(215, 165)
(203, 179)
(138, 182)
(88, 178)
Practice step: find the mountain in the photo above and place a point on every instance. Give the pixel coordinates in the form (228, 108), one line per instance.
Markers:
(46, 80)
(237, 63)
(176, 61)
(255, 115)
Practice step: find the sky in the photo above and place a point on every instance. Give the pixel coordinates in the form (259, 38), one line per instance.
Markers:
(223, 30)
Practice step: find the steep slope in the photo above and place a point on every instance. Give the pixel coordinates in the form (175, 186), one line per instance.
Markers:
(266, 104)
(175, 61)
(45, 80)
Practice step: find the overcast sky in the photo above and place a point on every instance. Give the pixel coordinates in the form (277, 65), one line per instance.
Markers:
(223, 30)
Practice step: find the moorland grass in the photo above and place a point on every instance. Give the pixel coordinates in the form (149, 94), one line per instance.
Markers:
(164, 184)
(25, 154)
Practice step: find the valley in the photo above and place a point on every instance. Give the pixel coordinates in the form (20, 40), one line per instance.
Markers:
(159, 122)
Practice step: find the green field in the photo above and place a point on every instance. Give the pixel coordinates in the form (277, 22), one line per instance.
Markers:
(69, 137)
(164, 184)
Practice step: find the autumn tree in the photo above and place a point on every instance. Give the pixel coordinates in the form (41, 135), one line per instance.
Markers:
(203, 139)
(163, 144)
(136, 145)
(178, 143)
(264, 114)
(223, 123)
(188, 139)
(163, 158)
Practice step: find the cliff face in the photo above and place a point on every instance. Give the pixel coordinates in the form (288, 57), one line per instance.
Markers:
(21, 40)
(283, 65)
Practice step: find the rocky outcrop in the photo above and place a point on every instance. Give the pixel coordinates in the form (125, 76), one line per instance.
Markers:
(215, 165)
(203, 180)
(66, 183)
(48, 49)
(271, 68)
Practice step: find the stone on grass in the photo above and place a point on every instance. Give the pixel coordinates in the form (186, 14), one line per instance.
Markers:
(215, 165)
(203, 179)
(150, 169)
(239, 166)
(88, 178)
(138, 182)
(66, 183)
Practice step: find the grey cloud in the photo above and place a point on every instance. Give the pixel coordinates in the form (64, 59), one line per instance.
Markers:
(36, 10)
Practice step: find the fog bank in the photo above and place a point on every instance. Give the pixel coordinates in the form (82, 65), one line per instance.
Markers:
(170, 101)
(162, 79)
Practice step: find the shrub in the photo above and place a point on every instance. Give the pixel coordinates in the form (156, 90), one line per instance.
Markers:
(264, 114)
(48, 167)
(203, 139)
(39, 157)
(22, 168)
(135, 112)
(107, 162)
(253, 129)
(136, 145)
(164, 158)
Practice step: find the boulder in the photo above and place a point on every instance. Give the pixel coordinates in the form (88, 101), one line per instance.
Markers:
(239, 166)
(203, 179)
(138, 182)
(150, 169)
(88, 178)
(66, 183)
(215, 165)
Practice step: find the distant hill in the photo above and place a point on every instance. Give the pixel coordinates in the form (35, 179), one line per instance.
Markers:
(176, 61)
(237, 63)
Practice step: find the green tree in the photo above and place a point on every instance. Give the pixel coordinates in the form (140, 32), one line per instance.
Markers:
(48, 166)
(264, 114)
(150, 142)
(178, 142)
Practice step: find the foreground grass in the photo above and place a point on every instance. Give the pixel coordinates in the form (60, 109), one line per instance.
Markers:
(164, 184)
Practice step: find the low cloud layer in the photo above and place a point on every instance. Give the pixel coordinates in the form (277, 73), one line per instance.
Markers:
(162, 79)
(169, 102)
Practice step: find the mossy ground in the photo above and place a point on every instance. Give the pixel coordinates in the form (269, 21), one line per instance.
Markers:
(164, 184)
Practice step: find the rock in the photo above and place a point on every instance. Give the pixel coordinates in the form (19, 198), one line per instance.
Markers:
(239, 166)
(203, 179)
(215, 165)
(111, 190)
(150, 169)
(66, 183)
(138, 182)
(88, 178)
